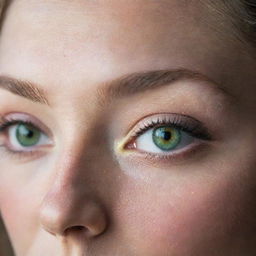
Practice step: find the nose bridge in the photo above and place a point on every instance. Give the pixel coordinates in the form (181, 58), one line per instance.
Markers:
(69, 201)
(77, 147)
(69, 169)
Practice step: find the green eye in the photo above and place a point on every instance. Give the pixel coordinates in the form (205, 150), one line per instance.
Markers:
(166, 138)
(27, 135)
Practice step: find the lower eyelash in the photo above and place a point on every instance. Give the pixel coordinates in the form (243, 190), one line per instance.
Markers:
(173, 157)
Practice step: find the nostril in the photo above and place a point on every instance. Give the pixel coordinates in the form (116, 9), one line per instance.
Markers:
(78, 228)
(75, 230)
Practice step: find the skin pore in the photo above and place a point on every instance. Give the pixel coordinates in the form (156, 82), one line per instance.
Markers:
(95, 184)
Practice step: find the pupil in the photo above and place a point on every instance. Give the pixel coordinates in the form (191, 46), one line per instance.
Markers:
(30, 134)
(167, 136)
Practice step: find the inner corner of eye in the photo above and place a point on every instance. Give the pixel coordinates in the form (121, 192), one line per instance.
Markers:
(125, 144)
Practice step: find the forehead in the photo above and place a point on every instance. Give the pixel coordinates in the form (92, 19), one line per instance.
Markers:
(105, 23)
(60, 43)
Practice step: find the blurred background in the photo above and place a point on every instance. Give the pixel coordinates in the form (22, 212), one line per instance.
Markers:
(5, 247)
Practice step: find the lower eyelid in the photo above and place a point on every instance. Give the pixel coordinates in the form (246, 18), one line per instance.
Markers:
(27, 150)
(21, 156)
(171, 152)
(29, 154)
(195, 150)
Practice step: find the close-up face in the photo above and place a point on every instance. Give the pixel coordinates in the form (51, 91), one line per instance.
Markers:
(127, 128)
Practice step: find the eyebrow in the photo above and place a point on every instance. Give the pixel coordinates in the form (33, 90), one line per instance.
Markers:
(135, 83)
(126, 85)
(24, 89)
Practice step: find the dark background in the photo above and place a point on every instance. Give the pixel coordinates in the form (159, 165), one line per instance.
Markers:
(5, 248)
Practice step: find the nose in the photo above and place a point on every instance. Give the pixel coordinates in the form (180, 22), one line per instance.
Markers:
(70, 206)
(58, 217)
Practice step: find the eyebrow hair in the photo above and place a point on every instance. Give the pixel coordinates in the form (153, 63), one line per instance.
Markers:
(123, 86)
(24, 89)
(130, 84)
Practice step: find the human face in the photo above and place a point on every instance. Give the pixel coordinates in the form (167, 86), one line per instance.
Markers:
(80, 180)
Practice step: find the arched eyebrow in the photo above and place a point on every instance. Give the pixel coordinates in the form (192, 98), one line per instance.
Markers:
(126, 85)
(24, 89)
(135, 83)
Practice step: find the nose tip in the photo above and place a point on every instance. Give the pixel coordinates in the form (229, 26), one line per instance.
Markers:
(61, 218)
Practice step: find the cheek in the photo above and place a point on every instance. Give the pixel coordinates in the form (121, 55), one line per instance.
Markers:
(195, 214)
(21, 192)
(19, 213)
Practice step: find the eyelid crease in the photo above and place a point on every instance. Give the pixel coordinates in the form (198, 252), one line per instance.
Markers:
(174, 119)
(17, 117)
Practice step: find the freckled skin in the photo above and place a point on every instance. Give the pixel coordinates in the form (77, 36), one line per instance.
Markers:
(87, 195)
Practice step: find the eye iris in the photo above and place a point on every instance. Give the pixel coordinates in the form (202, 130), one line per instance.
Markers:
(166, 138)
(27, 135)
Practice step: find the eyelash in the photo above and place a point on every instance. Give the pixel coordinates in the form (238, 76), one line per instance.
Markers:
(4, 125)
(196, 129)
(184, 123)
(181, 122)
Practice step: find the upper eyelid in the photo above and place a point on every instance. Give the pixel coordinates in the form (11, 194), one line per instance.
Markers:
(178, 120)
(8, 124)
(5, 126)
(158, 116)
(20, 117)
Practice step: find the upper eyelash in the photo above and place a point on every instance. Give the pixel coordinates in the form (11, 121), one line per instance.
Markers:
(6, 124)
(196, 130)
